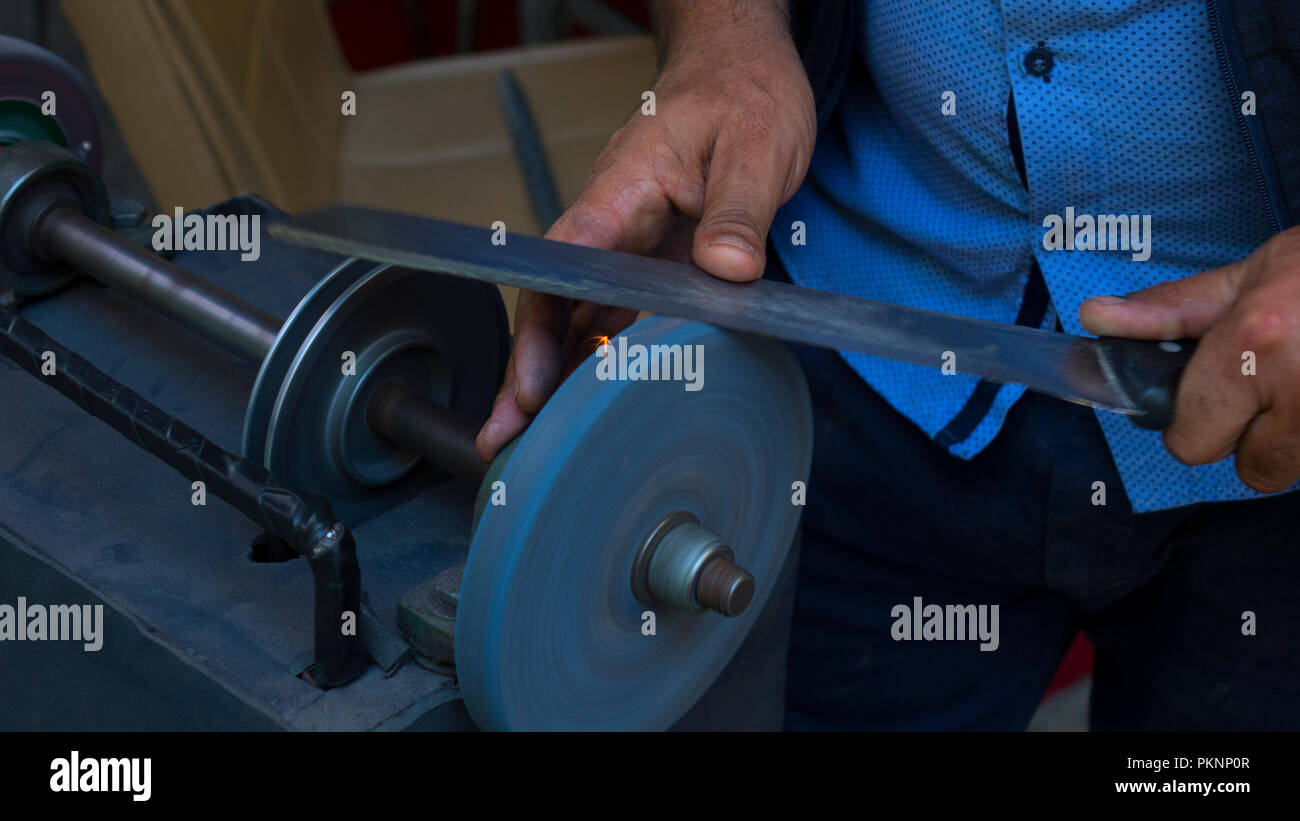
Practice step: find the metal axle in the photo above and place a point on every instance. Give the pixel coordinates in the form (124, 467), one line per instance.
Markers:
(436, 433)
(243, 329)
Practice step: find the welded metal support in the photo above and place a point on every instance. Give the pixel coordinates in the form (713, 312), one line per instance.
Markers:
(304, 522)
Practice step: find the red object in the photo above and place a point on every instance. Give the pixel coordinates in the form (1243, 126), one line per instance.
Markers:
(377, 33)
(371, 33)
(1076, 664)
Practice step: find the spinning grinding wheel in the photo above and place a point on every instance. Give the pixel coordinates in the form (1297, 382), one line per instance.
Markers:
(549, 626)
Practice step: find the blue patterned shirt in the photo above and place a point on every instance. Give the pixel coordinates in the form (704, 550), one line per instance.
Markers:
(914, 197)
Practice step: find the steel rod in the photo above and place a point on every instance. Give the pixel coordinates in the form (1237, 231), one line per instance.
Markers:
(423, 426)
(433, 431)
(214, 314)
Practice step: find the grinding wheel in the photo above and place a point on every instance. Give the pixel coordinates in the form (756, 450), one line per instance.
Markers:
(549, 631)
(444, 337)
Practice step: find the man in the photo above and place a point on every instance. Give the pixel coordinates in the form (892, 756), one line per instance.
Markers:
(965, 141)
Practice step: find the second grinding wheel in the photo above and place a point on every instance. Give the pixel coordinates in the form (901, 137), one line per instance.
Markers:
(551, 626)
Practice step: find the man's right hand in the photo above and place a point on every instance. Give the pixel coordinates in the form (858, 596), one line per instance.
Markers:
(699, 181)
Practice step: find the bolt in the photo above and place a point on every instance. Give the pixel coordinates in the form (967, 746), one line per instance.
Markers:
(446, 587)
(329, 539)
(687, 566)
(724, 587)
(127, 213)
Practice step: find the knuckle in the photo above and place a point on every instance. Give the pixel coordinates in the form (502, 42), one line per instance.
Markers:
(1185, 448)
(678, 165)
(755, 138)
(693, 101)
(622, 151)
(736, 217)
(593, 223)
(1181, 454)
(645, 159)
(1173, 291)
(1282, 251)
(1264, 474)
(1265, 327)
(1269, 464)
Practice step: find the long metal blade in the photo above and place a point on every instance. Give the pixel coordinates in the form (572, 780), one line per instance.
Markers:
(1058, 364)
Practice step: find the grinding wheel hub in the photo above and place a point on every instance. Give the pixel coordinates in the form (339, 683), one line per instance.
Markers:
(550, 633)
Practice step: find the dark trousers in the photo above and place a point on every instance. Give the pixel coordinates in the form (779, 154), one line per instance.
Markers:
(1166, 597)
(890, 516)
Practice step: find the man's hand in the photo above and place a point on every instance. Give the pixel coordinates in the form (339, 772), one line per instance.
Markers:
(700, 181)
(1244, 313)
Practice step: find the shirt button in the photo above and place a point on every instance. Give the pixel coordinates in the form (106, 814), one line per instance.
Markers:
(1038, 62)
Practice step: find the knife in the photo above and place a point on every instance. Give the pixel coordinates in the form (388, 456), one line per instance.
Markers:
(1133, 377)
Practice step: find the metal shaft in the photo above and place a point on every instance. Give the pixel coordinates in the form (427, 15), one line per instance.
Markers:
(423, 426)
(214, 314)
(436, 433)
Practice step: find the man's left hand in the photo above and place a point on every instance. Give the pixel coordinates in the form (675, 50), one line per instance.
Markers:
(1241, 390)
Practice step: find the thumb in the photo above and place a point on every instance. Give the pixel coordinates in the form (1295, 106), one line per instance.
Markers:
(740, 198)
(1177, 309)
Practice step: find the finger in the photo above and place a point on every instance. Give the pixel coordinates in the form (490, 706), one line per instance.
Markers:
(1180, 308)
(627, 204)
(541, 322)
(505, 422)
(593, 325)
(615, 211)
(1265, 347)
(675, 246)
(623, 207)
(1268, 456)
(590, 326)
(741, 196)
(1216, 402)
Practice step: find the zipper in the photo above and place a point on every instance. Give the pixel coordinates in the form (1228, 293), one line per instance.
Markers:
(1271, 199)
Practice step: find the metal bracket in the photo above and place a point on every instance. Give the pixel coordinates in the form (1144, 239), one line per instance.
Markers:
(304, 522)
